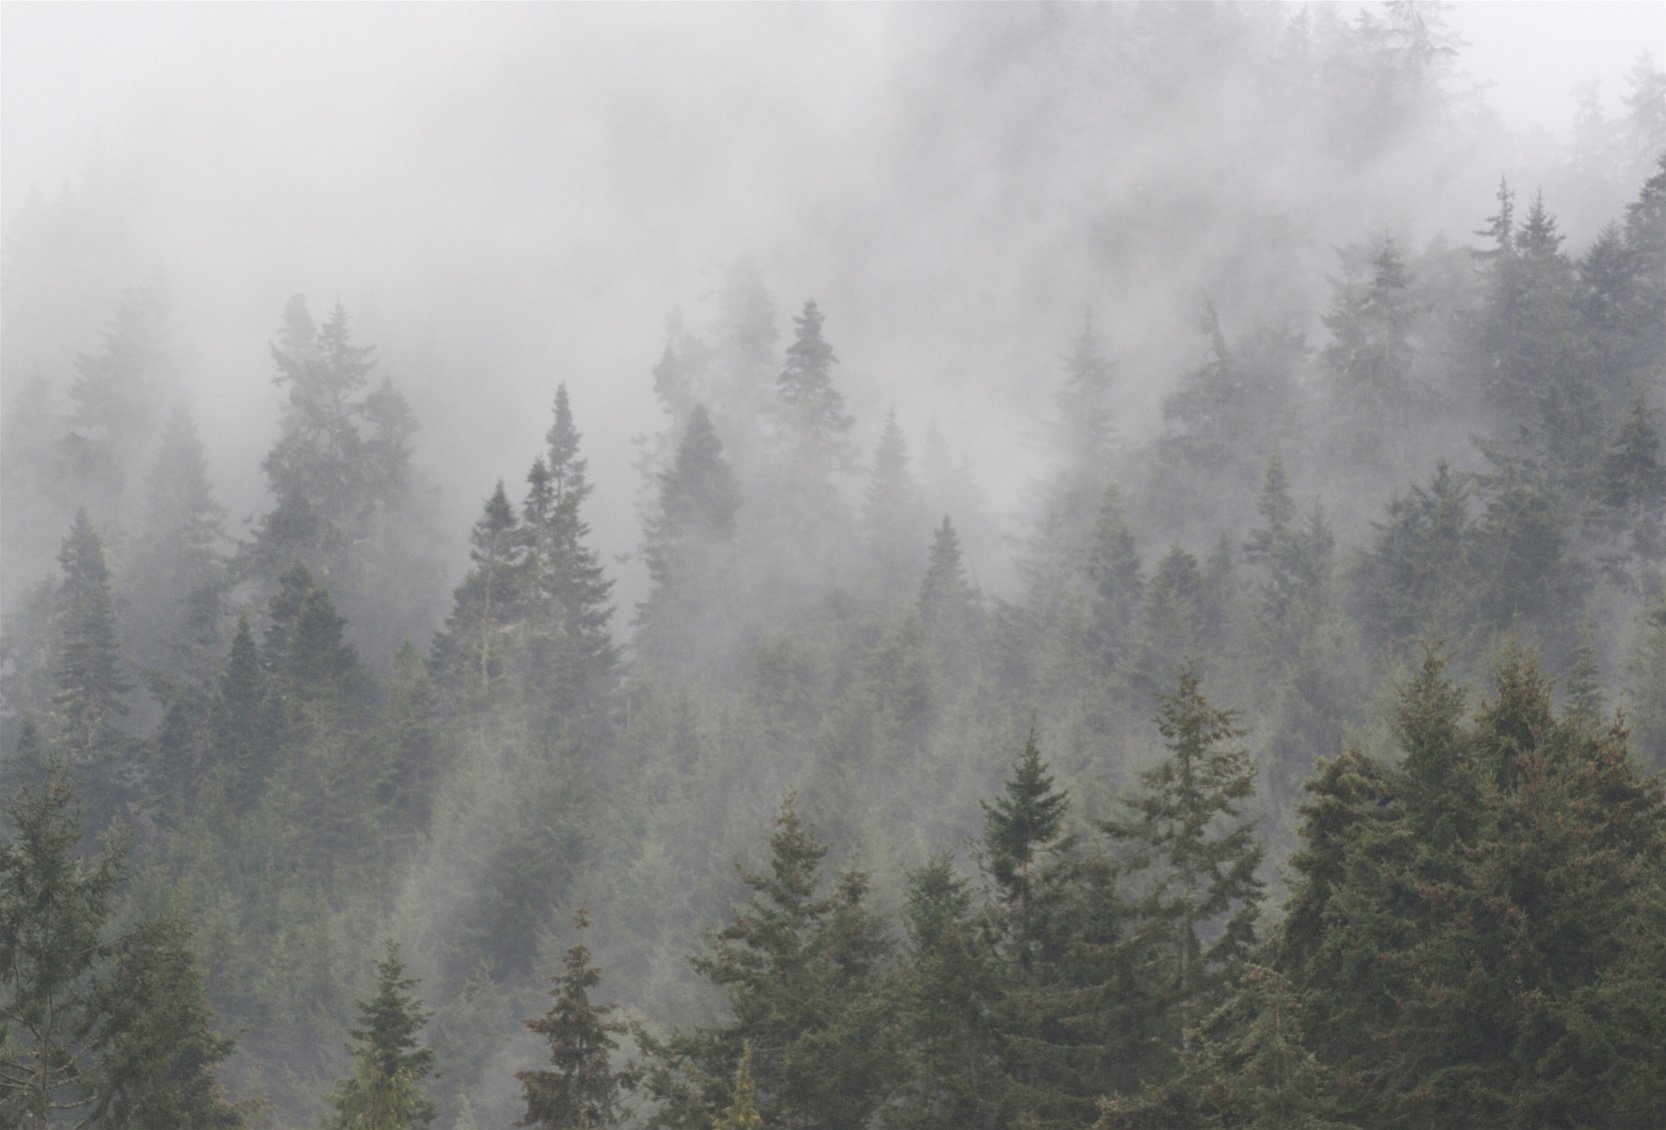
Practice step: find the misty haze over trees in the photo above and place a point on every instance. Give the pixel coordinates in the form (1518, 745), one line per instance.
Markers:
(1105, 570)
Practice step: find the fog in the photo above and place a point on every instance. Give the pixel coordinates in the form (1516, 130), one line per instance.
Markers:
(1184, 312)
(507, 197)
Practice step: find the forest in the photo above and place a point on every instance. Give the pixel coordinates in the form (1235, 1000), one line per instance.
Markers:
(1278, 744)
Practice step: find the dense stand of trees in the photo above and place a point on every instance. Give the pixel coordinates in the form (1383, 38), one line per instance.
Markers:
(1249, 804)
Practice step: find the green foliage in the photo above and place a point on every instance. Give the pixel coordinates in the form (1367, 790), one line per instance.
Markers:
(96, 1024)
(581, 1090)
(801, 970)
(1196, 857)
(1468, 934)
(385, 1091)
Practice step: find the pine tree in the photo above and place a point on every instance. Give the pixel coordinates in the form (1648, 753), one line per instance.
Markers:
(801, 970)
(1469, 935)
(891, 508)
(160, 1061)
(1020, 830)
(949, 990)
(89, 684)
(54, 909)
(1410, 582)
(389, 1067)
(814, 410)
(1197, 857)
(113, 399)
(470, 655)
(1084, 431)
(698, 503)
(572, 658)
(583, 1090)
(245, 724)
(177, 575)
(1116, 586)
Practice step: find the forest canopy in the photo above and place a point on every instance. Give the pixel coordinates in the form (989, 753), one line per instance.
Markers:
(1147, 608)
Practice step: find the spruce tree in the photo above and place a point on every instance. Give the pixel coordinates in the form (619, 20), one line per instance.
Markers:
(385, 1091)
(581, 1089)
(160, 1061)
(472, 653)
(55, 908)
(1194, 854)
(244, 733)
(1116, 586)
(802, 973)
(89, 683)
(572, 658)
(949, 994)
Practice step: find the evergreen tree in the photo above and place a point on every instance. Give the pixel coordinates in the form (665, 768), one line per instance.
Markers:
(1084, 431)
(1116, 586)
(698, 503)
(583, 1090)
(891, 508)
(385, 1090)
(813, 409)
(1020, 829)
(97, 1026)
(160, 1060)
(346, 501)
(1631, 492)
(801, 970)
(1197, 858)
(245, 724)
(1468, 936)
(177, 575)
(949, 993)
(113, 399)
(742, 1113)
(470, 655)
(571, 656)
(54, 910)
(1410, 583)
(950, 612)
(89, 684)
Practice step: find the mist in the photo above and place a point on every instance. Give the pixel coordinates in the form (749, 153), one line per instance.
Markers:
(1190, 319)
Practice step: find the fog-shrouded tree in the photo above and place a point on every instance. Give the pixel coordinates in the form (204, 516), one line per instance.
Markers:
(699, 501)
(571, 657)
(346, 500)
(176, 577)
(89, 678)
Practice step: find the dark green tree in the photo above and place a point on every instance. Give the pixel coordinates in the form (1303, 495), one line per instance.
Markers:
(98, 1026)
(1468, 935)
(54, 911)
(581, 1090)
(801, 969)
(949, 992)
(572, 660)
(1195, 854)
(245, 723)
(160, 1059)
(385, 1091)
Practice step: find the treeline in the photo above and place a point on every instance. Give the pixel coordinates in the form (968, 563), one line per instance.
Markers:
(293, 748)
